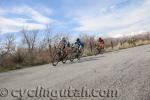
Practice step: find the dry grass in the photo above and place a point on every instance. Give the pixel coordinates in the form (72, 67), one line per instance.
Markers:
(21, 58)
(127, 45)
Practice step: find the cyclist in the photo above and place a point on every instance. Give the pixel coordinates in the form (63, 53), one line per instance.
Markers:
(80, 44)
(101, 43)
(63, 44)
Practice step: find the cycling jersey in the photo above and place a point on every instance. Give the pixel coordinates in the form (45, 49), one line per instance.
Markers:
(80, 44)
(63, 43)
(101, 43)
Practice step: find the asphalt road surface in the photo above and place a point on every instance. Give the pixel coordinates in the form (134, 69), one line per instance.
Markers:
(119, 75)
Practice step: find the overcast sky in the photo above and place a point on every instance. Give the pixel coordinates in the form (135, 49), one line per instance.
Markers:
(101, 17)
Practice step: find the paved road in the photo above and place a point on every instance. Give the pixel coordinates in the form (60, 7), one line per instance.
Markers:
(119, 75)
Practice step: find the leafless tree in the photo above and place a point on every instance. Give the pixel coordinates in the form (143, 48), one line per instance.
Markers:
(89, 41)
(112, 45)
(148, 35)
(7, 46)
(46, 43)
(57, 38)
(30, 39)
(48, 39)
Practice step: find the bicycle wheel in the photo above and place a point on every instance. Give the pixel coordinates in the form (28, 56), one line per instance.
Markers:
(72, 54)
(72, 57)
(55, 60)
(64, 59)
(102, 51)
(96, 51)
(79, 54)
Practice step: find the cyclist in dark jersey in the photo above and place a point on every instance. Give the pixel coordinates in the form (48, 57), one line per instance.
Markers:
(63, 43)
(79, 43)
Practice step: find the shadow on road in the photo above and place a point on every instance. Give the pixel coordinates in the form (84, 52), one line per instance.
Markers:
(84, 59)
(89, 59)
(147, 51)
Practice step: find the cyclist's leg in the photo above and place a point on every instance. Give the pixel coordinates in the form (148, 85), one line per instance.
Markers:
(102, 48)
(81, 50)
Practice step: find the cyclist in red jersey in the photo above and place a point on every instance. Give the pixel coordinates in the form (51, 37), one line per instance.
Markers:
(101, 43)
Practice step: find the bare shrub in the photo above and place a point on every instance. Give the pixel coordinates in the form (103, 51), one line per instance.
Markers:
(30, 39)
(7, 46)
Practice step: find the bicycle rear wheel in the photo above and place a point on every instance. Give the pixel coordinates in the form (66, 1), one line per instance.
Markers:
(64, 60)
(96, 51)
(55, 60)
(79, 54)
(72, 57)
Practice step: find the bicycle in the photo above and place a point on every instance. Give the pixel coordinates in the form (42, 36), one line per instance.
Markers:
(76, 53)
(98, 50)
(60, 55)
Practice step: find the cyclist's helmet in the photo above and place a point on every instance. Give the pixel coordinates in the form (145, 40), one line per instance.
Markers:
(100, 38)
(78, 39)
(63, 38)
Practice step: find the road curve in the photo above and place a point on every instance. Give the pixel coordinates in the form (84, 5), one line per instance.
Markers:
(127, 72)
